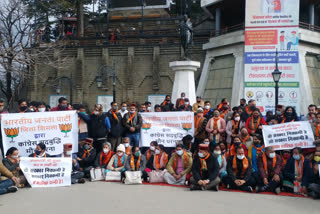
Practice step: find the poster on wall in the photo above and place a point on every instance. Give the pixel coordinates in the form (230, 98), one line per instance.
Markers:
(156, 99)
(105, 101)
(54, 100)
(272, 26)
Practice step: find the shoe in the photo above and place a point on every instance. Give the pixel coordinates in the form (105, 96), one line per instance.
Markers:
(228, 186)
(247, 189)
(12, 189)
(250, 189)
(260, 189)
(277, 191)
(81, 181)
(194, 187)
(216, 188)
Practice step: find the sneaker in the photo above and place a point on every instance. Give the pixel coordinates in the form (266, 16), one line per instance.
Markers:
(250, 189)
(194, 187)
(12, 189)
(81, 181)
(260, 189)
(277, 191)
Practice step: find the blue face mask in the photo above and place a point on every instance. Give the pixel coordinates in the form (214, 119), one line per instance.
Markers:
(63, 106)
(296, 157)
(137, 154)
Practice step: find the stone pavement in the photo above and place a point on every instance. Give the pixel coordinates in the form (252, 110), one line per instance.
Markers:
(103, 197)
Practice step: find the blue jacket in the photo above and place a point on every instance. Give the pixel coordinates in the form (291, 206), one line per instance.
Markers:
(289, 170)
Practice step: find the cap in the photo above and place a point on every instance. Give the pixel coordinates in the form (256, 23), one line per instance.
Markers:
(89, 140)
(67, 146)
(121, 148)
(133, 105)
(200, 110)
(225, 103)
(204, 147)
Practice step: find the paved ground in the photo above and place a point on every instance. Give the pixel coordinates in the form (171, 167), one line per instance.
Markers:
(105, 197)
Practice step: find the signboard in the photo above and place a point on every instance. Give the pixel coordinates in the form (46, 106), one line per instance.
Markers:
(156, 99)
(53, 100)
(166, 127)
(137, 4)
(47, 172)
(25, 131)
(270, 26)
(288, 135)
(105, 101)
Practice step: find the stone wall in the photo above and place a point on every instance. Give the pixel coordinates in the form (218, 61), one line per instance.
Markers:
(141, 71)
(313, 66)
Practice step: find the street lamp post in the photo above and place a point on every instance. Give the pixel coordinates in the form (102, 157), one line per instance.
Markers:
(276, 74)
(109, 72)
(58, 87)
(142, 16)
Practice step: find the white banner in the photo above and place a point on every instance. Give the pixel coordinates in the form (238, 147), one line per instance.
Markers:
(25, 131)
(288, 135)
(166, 127)
(47, 172)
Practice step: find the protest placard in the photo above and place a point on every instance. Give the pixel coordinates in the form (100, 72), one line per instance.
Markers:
(47, 172)
(25, 131)
(166, 127)
(288, 135)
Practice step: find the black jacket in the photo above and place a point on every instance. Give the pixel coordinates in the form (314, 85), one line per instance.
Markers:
(87, 161)
(116, 125)
(167, 107)
(231, 174)
(289, 172)
(136, 122)
(212, 166)
(96, 125)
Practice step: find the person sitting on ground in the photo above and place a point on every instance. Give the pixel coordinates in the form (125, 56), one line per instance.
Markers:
(239, 171)
(222, 161)
(118, 160)
(237, 143)
(216, 127)
(126, 143)
(12, 163)
(151, 150)
(136, 162)
(224, 149)
(178, 167)
(187, 143)
(7, 185)
(297, 170)
(289, 115)
(159, 160)
(270, 165)
(76, 175)
(314, 186)
(104, 156)
(86, 157)
(255, 122)
(253, 154)
(285, 156)
(40, 152)
(205, 170)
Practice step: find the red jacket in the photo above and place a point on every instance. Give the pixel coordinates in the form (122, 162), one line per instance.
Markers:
(59, 109)
(262, 122)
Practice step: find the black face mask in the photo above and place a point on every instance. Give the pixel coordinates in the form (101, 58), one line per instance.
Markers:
(168, 100)
(288, 114)
(237, 144)
(23, 108)
(253, 108)
(241, 104)
(225, 108)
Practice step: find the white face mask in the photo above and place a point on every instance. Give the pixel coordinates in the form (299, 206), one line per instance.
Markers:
(240, 157)
(186, 103)
(200, 155)
(124, 108)
(120, 154)
(180, 152)
(96, 112)
(15, 157)
(149, 108)
(272, 155)
(105, 150)
(41, 109)
(152, 148)
(206, 142)
(132, 112)
(126, 144)
(182, 98)
(237, 118)
(217, 152)
(69, 153)
(207, 107)
(157, 151)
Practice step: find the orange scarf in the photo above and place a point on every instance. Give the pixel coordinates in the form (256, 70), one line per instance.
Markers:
(128, 151)
(258, 149)
(284, 120)
(185, 161)
(114, 115)
(215, 124)
(253, 127)
(234, 126)
(181, 102)
(119, 163)
(249, 112)
(220, 106)
(157, 159)
(131, 117)
(14, 161)
(222, 159)
(132, 165)
(245, 139)
(232, 150)
(148, 154)
(45, 155)
(222, 115)
(85, 153)
(185, 107)
(164, 103)
(317, 129)
(300, 170)
(196, 121)
(245, 164)
(204, 163)
(264, 158)
(205, 112)
(106, 158)
(284, 162)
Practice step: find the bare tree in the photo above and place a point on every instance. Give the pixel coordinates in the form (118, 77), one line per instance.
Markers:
(17, 55)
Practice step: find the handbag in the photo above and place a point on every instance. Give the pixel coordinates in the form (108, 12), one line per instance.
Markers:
(157, 177)
(97, 174)
(133, 177)
(113, 176)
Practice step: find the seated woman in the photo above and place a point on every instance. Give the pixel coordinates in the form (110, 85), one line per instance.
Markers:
(12, 162)
(222, 161)
(118, 160)
(104, 156)
(151, 150)
(314, 186)
(236, 143)
(224, 149)
(40, 152)
(136, 162)
(253, 153)
(297, 171)
(159, 160)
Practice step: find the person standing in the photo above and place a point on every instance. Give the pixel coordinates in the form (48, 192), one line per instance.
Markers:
(63, 105)
(116, 131)
(198, 104)
(166, 105)
(2, 111)
(216, 127)
(200, 123)
(132, 122)
(181, 101)
(123, 109)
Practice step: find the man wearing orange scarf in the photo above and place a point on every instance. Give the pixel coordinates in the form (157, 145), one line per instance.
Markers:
(239, 172)
(178, 167)
(86, 156)
(136, 162)
(255, 122)
(200, 123)
(181, 101)
(132, 121)
(270, 165)
(205, 170)
(167, 105)
(116, 131)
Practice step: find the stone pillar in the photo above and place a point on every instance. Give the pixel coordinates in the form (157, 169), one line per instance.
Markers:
(311, 14)
(184, 79)
(218, 21)
(238, 79)
(306, 97)
(204, 75)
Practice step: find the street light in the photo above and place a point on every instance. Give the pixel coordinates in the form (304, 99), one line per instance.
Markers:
(107, 71)
(276, 74)
(58, 87)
